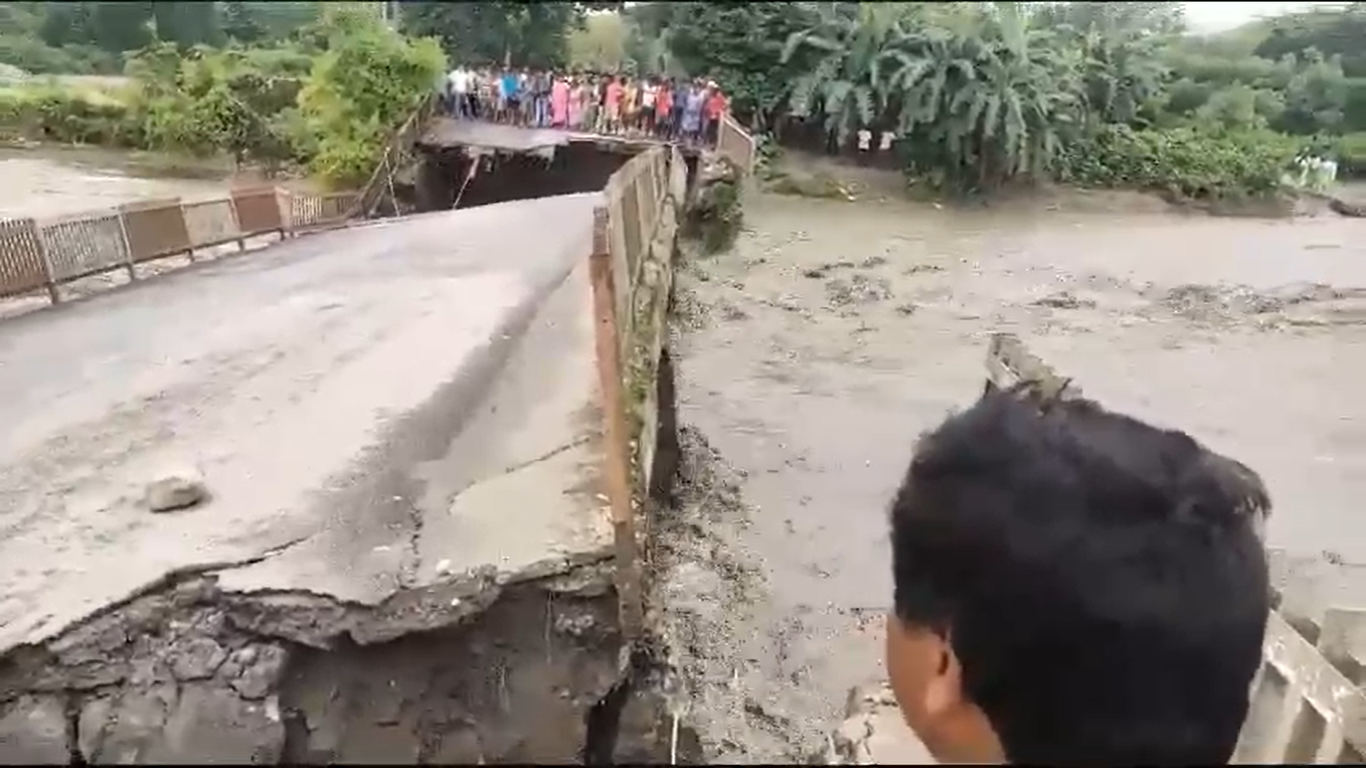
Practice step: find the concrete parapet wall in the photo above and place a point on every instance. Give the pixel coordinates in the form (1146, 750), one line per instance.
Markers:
(635, 232)
(1307, 705)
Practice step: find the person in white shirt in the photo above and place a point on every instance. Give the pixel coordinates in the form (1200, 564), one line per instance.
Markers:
(459, 83)
(887, 138)
(648, 91)
(865, 142)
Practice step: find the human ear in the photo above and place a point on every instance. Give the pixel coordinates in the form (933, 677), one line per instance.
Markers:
(943, 690)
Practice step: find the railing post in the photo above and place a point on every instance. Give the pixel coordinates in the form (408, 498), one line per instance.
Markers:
(1341, 632)
(190, 252)
(617, 459)
(127, 247)
(49, 274)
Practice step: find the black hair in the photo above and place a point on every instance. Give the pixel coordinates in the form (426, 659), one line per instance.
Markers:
(1101, 581)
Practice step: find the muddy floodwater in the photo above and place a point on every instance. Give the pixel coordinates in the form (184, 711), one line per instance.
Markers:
(63, 180)
(812, 355)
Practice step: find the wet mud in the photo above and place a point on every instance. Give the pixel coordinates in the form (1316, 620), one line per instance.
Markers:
(812, 355)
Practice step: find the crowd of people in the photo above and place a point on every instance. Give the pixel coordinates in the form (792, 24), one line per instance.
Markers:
(668, 109)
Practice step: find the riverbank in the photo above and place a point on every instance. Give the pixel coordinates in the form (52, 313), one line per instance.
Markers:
(805, 175)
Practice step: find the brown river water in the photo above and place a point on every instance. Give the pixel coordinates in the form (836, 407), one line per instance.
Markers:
(812, 355)
(56, 181)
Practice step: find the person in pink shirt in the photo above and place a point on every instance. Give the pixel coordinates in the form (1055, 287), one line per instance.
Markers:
(613, 104)
(559, 103)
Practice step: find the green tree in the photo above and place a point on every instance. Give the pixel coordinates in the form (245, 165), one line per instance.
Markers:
(186, 23)
(361, 88)
(600, 43)
(1233, 107)
(982, 96)
(1330, 30)
(64, 23)
(239, 23)
(1118, 47)
(112, 26)
(740, 46)
(1142, 18)
(522, 34)
(1316, 97)
(849, 64)
(284, 19)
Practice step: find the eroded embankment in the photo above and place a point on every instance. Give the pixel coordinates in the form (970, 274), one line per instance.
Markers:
(193, 674)
(708, 592)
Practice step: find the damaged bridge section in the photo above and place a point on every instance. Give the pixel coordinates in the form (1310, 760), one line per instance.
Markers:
(406, 548)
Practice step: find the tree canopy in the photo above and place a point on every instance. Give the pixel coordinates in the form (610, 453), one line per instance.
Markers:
(504, 31)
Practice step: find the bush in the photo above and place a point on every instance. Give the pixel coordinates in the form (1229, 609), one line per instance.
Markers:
(1351, 152)
(209, 101)
(50, 113)
(1189, 162)
(1354, 108)
(360, 90)
(32, 55)
(333, 106)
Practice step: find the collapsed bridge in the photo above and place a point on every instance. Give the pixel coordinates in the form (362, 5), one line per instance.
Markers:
(424, 444)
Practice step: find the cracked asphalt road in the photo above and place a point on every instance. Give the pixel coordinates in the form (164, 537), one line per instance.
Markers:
(366, 404)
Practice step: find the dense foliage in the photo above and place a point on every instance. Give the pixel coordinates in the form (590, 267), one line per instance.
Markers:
(329, 100)
(981, 94)
(1187, 162)
(94, 36)
(362, 86)
(985, 94)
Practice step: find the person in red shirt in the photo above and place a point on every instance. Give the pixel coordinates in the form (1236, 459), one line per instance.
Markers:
(664, 104)
(716, 107)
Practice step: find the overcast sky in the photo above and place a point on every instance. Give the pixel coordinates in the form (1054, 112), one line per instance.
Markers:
(1214, 16)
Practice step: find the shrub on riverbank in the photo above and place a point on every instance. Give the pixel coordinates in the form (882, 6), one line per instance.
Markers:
(331, 104)
(360, 89)
(1351, 150)
(63, 115)
(1189, 163)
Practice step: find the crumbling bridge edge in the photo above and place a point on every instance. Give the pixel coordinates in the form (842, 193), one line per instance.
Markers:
(635, 251)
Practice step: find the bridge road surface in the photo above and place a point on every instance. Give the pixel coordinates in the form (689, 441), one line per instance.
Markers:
(449, 132)
(375, 409)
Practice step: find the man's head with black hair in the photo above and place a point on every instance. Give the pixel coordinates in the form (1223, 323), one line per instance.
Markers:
(1073, 586)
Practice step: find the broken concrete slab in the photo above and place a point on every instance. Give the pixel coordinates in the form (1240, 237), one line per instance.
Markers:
(33, 731)
(342, 392)
(448, 132)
